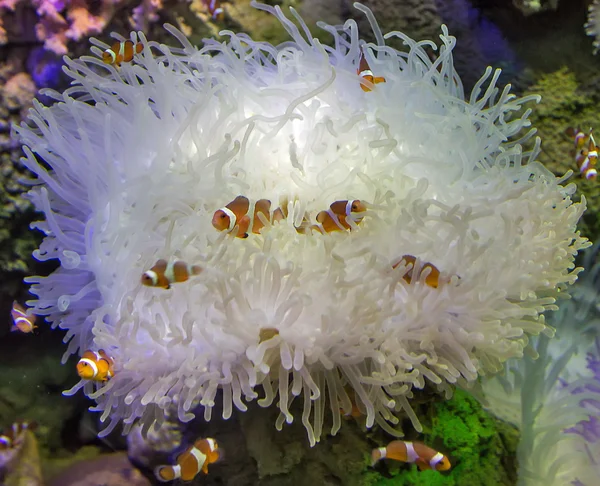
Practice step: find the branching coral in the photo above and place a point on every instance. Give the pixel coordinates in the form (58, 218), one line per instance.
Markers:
(549, 396)
(139, 158)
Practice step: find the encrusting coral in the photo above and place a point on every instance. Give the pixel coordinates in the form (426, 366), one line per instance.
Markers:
(133, 163)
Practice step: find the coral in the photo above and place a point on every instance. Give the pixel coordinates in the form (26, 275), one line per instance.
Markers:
(563, 104)
(178, 133)
(26, 470)
(62, 21)
(545, 394)
(16, 241)
(592, 26)
(107, 470)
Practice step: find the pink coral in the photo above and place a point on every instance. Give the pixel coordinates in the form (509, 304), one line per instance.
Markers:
(60, 21)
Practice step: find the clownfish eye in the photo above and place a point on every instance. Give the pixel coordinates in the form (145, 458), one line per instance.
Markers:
(223, 216)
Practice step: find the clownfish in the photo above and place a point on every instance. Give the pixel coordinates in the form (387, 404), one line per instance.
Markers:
(334, 219)
(14, 436)
(425, 457)
(586, 152)
(433, 279)
(163, 274)
(21, 321)
(354, 411)
(121, 52)
(236, 214)
(364, 71)
(95, 366)
(232, 215)
(189, 463)
(216, 11)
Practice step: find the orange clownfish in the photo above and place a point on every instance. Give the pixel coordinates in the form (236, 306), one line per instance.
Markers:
(433, 279)
(21, 321)
(15, 435)
(95, 366)
(189, 463)
(121, 52)
(364, 71)
(425, 457)
(216, 11)
(586, 152)
(334, 219)
(163, 274)
(232, 215)
(236, 214)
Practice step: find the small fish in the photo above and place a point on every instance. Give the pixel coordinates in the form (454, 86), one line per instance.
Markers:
(586, 152)
(578, 136)
(163, 274)
(335, 218)
(232, 215)
(121, 52)
(425, 457)
(354, 411)
(214, 8)
(14, 436)
(95, 366)
(236, 213)
(189, 463)
(433, 279)
(364, 71)
(21, 321)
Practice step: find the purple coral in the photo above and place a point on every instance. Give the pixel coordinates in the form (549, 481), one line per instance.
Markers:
(590, 429)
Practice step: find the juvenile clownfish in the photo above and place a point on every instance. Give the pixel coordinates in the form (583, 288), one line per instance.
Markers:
(95, 366)
(335, 218)
(364, 71)
(586, 152)
(236, 214)
(163, 274)
(425, 457)
(433, 279)
(21, 321)
(216, 11)
(354, 411)
(232, 215)
(14, 436)
(121, 52)
(189, 463)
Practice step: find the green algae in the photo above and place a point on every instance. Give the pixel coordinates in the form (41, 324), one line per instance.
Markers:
(481, 449)
(565, 104)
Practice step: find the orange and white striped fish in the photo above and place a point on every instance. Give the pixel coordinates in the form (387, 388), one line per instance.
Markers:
(95, 366)
(586, 152)
(364, 71)
(121, 52)
(335, 218)
(214, 8)
(21, 321)
(433, 279)
(236, 214)
(232, 215)
(163, 273)
(14, 436)
(189, 463)
(425, 457)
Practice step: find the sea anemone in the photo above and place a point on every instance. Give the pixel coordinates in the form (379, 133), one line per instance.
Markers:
(133, 162)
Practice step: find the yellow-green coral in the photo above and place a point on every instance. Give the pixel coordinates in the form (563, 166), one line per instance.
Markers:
(562, 106)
